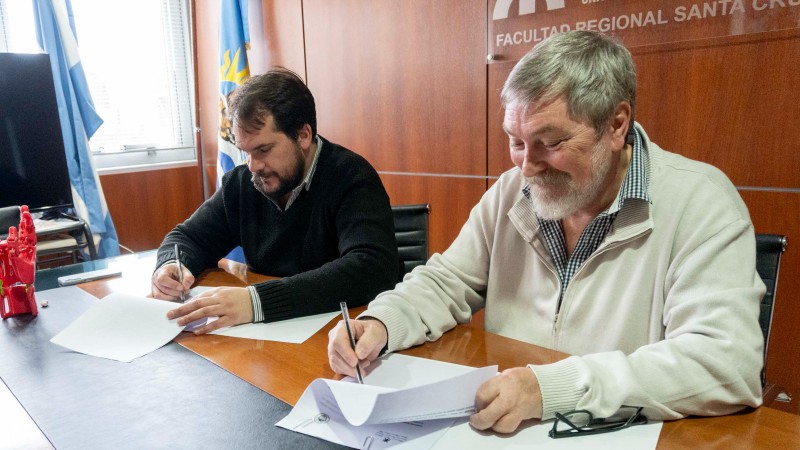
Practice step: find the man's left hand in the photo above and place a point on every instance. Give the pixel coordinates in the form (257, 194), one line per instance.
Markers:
(232, 305)
(503, 402)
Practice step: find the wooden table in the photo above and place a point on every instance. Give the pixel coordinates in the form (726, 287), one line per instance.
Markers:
(284, 370)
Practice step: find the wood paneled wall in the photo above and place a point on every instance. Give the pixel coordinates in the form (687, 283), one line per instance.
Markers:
(145, 206)
(403, 84)
(406, 84)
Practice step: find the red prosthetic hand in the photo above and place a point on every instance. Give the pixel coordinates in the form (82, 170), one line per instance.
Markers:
(18, 268)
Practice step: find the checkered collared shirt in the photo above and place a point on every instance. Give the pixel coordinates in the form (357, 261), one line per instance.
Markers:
(634, 186)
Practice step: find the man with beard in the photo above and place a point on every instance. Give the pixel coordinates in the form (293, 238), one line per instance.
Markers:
(303, 209)
(599, 244)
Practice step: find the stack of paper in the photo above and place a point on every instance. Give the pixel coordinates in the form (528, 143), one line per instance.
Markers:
(402, 394)
(404, 401)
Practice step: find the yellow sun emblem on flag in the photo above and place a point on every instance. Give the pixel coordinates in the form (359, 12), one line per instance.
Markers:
(228, 70)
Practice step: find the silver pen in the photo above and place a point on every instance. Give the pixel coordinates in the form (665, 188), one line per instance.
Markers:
(180, 271)
(346, 317)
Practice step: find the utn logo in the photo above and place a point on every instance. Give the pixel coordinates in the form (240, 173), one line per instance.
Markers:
(502, 7)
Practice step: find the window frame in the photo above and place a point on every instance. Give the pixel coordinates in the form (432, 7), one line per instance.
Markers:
(149, 158)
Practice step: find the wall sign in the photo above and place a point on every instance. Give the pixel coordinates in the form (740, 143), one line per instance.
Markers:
(517, 25)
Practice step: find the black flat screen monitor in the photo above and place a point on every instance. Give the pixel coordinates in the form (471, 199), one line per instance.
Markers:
(33, 166)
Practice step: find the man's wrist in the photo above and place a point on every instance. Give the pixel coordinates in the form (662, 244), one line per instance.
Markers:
(386, 346)
(169, 261)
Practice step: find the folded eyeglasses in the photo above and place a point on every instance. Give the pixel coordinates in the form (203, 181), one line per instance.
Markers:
(582, 423)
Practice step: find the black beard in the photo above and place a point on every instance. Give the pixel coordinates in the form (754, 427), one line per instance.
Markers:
(283, 189)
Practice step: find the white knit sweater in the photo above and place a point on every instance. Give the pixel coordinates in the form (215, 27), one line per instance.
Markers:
(663, 315)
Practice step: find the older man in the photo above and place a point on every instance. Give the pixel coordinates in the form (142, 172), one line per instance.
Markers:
(304, 209)
(637, 261)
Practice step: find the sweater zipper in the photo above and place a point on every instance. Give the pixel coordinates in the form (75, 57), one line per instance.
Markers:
(558, 304)
(597, 253)
(555, 273)
(553, 332)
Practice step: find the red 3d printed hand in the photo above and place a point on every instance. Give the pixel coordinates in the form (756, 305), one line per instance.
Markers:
(23, 252)
(18, 268)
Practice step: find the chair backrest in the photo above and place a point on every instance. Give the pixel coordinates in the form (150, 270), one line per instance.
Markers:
(769, 249)
(411, 232)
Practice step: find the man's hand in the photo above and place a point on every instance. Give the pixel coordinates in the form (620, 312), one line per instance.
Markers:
(370, 336)
(165, 285)
(506, 400)
(231, 305)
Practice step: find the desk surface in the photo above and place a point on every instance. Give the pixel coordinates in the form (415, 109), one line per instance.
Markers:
(284, 370)
(169, 398)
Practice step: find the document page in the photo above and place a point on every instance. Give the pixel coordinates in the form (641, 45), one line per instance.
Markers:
(122, 327)
(462, 436)
(403, 401)
(295, 330)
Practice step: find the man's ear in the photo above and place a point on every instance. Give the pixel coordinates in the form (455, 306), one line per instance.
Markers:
(304, 136)
(619, 125)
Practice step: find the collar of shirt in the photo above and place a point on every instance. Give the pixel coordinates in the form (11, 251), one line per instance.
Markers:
(306, 184)
(635, 183)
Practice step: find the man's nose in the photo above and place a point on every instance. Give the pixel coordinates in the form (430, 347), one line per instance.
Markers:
(532, 162)
(254, 164)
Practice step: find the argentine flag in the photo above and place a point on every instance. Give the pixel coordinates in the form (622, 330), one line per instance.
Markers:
(79, 120)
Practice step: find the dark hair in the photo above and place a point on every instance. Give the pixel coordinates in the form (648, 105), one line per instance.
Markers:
(280, 93)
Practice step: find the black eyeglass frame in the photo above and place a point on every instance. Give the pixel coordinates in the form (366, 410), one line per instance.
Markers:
(594, 426)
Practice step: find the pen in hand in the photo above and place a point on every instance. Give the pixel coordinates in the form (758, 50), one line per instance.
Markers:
(180, 272)
(346, 317)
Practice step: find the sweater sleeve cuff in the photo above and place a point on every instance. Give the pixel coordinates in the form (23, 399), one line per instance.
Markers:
(258, 312)
(168, 261)
(275, 300)
(561, 385)
(394, 323)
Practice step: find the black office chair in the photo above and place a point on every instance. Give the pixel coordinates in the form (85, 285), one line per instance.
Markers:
(411, 232)
(769, 249)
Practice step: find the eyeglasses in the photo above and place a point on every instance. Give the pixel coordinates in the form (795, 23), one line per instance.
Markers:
(582, 423)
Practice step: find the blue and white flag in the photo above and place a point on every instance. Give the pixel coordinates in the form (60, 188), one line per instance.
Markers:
(56, 35)
(234, 39)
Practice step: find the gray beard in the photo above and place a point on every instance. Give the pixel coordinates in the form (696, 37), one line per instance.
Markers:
(569, 197)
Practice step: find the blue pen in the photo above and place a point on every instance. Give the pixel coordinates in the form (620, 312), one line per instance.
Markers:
(346, 316)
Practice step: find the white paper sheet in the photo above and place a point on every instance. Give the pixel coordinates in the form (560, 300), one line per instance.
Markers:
(392, 408)
(292, 330)
(120, 326)
(463, 437)
(321, 417)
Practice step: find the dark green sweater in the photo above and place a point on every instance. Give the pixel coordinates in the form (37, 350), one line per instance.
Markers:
(335, 242)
